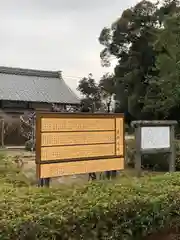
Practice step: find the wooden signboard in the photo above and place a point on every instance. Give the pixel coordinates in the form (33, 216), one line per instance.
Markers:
(154, 137)
(71, 143)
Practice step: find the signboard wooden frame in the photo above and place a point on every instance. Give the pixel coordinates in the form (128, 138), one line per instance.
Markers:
(138, 125)
(60, 147)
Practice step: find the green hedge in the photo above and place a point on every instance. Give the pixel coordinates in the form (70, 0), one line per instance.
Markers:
(121, 209)
(10, 174)
(153, 161)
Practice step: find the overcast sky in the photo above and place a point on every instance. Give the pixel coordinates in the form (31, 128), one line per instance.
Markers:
(56, 34)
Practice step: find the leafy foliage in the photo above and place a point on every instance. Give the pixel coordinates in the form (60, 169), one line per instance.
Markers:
(10, 175)
(97, 95)
(29, 145)
(90, 91)
(126, 209)
(164, 89)
(137, 39)
(131, 36)
(107, 87)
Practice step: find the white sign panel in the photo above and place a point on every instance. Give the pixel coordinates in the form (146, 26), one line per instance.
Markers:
(155, 137)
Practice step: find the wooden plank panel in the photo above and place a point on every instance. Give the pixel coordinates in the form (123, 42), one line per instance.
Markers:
(71, 168)
(75, 138)
(119, 136)
(76, 124)
(69, 152)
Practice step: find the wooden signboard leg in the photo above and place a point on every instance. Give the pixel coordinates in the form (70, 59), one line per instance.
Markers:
(40, 182)
(172, 155)
(44, 182)
(138, 153)
(2, 133)
(47, 182)
(92, 176)
(114, 174)
(108, 175)
(138, 163)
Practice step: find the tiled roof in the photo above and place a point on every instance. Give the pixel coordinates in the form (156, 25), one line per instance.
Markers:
(18, 84)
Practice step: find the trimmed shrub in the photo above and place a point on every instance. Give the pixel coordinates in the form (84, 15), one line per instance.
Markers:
(117, 210)
(122, 209)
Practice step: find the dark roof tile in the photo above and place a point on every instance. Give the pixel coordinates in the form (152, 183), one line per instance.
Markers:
(18, 84)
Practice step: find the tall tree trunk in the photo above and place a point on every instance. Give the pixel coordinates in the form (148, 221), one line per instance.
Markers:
(109, 104)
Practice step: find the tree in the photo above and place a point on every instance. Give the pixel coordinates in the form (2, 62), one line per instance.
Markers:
(107, 86)
(163, 93)
(131, 40)
(90, 92)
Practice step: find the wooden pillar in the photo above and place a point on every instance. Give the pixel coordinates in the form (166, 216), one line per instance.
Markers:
(138, 151)
(2, 133)
(44, 182)
(172, 154)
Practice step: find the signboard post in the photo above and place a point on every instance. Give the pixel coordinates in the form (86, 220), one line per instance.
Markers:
(78, 143)
(154, 137)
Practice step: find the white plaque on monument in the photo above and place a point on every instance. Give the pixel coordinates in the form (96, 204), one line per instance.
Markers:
(155, 137)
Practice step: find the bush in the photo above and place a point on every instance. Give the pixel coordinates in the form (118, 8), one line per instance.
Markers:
(151, 161)
(10, 174)
(130, 152)
(29, 145)
(127, 209)
(128, 129)
(120, 209)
